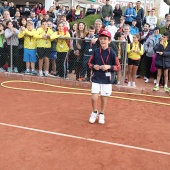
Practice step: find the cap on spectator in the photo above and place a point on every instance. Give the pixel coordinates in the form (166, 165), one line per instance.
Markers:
(105, 33)
(156, 28)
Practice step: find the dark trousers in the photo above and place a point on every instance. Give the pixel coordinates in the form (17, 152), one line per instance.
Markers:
(85, 67)
(61, 64)
(15, 54)
(140, 64)
(78, 66)
(139, 25)
(3, 56)
(71, 61)
(148, 62)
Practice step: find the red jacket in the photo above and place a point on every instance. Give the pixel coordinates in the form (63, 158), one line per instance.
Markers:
(39, 11)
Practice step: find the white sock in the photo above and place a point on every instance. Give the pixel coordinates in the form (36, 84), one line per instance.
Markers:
(157, 84)
(165, 85)
(28, 70)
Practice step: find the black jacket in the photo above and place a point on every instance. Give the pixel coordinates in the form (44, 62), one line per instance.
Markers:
(162, 60)
(117, 15)
(140, 15)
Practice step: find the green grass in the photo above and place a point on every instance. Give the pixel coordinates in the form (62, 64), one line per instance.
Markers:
(88, 20)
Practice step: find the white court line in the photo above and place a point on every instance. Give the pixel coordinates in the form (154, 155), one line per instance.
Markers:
(86, 139)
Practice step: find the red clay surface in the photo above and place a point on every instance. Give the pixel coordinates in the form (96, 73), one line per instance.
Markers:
(131, 123)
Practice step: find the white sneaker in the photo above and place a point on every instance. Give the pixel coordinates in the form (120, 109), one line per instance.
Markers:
(129, 84)
(40, 74)
(15, 70)
(47, 74)
(133, 84)
(147, 80)
(101, 119)
(93, 117)
(2, 70)
(155, 81)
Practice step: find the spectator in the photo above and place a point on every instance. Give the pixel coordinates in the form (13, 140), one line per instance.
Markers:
(98, 26)
(89, 48)
(40, 9)
(133, 28)
(17, 16)
(121, 25)
(72, 11)
(148, 14)
(128, 36)
(148, 46)
(63, 17)
(72, 58)
(135, 50)
(12, 10)
(78, 48)
(107, 10)
(6, 17)
(61, 10)
(152, 20)
(34, 19)
(53, 52)
(62, 49)
(57, 5)
(144, 35)
(98, 10)
(26, 9)
(163, 21)
(23, 21)
(117, 13)
(120, 54)
(112, 28)
(130, 14)
(11, 34)
(106, 21)
(68, 15)
(21, 10)
(50, 12)
(78, 13)
(66, 10)
(29, 47)
(47, 17)
(3, 56)
(162, 62)
(91, 10)
(139, 15)
(4, 7)
(43, 47)
(40, 18)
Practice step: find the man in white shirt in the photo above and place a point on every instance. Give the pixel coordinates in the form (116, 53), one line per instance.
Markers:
(152, 20)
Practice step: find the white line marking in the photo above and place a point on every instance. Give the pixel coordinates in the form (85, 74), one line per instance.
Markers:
(87, 139)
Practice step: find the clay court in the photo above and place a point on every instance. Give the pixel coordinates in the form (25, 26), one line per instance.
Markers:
(48, 129)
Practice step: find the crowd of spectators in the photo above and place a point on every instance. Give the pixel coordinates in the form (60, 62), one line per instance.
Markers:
(37, 38)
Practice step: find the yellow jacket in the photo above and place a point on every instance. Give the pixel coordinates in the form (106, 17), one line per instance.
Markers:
(29, 41)
(62, 44)
(135, 47)
(41, 42)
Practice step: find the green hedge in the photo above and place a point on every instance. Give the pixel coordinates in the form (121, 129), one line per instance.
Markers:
(88, 20)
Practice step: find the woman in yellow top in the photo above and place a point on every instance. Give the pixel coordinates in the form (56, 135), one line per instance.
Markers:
(62, 48)
(135, 50)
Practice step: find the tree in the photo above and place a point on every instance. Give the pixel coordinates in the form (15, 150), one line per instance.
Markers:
(167, 2)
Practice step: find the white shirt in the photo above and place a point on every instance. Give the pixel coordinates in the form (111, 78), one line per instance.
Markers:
(112, 29)
(152, 21)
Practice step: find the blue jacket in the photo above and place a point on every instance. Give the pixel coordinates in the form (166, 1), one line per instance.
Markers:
(134, 30)
(109, 58)
(128, 12)
(162, 60)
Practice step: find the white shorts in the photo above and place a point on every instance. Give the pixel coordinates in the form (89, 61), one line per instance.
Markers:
(104, 89)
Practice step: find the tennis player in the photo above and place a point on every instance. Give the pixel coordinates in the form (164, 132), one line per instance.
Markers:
(103, 63)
